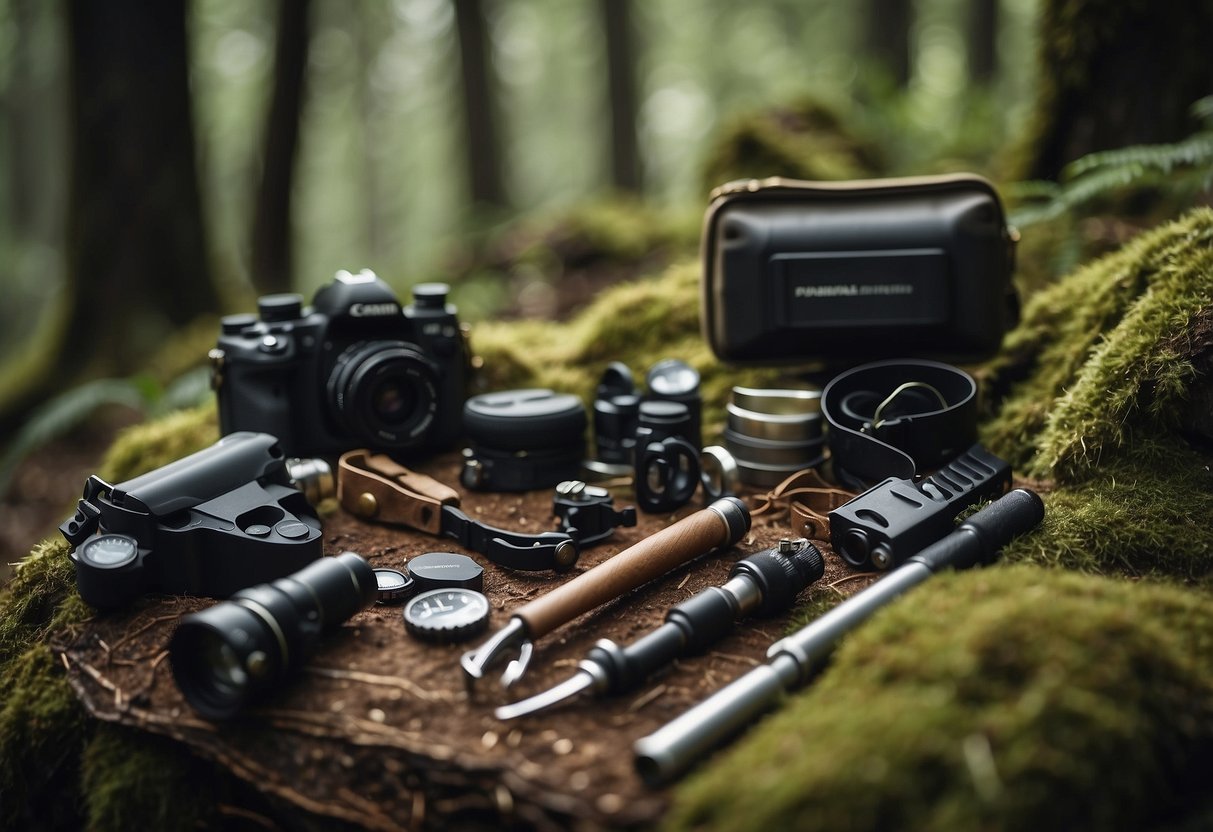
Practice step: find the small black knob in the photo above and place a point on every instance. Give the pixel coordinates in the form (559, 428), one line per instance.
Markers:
(235, 324)
(274, 308)
(430, 295)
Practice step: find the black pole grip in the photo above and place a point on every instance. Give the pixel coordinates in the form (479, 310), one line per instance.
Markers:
(979, 538)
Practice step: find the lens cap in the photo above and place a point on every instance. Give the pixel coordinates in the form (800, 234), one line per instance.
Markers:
(524, 420)
(436, 570)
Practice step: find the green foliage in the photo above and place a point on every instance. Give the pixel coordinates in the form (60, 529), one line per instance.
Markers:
(158, 443)
(39, 599)
(1007, 698)
(1181, 169)
(605, 241)
(42, 734)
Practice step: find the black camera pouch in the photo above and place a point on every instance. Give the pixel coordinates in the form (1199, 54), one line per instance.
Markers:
(799, 271)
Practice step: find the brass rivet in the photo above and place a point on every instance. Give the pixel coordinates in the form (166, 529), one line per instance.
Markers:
(367, 505)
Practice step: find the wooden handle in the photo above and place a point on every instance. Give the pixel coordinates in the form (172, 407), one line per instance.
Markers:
(690, 537)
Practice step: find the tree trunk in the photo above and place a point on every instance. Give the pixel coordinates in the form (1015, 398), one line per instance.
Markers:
(20, 149)
(621, 92)
(886, 34)
(483, 159)
(982, 40)
(1114, 73)
(271, 261)
(137, 258)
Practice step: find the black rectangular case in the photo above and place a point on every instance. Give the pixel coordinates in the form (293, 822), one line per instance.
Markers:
(797, 271)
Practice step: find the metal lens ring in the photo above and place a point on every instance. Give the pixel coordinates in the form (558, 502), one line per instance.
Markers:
(775, 415)
(667, 474)
(385, 392)
(718, 472)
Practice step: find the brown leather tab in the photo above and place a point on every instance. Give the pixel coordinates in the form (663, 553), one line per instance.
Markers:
(376, 487)
(809, 499)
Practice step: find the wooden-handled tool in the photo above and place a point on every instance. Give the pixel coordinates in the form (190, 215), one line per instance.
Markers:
(721, 524)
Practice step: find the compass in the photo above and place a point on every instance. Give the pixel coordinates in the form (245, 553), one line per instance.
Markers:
(446, 615)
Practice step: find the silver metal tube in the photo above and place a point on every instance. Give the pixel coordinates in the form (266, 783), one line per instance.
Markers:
(670, 750)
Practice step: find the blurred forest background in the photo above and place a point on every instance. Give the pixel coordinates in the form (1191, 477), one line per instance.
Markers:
(162, 163)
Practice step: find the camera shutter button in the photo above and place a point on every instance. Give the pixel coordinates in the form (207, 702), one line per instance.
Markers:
(272, 344)
(292, 529)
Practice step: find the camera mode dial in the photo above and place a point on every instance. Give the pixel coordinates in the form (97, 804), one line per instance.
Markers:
(276, 308)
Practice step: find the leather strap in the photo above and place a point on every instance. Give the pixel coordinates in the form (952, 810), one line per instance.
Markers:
(898, 419)
(376, 487)
(809, 499)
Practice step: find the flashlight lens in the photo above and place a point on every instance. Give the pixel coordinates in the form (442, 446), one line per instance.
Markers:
(224, 670)
(110, 550)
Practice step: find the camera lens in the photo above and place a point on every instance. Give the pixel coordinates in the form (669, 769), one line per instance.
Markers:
(241, 649)
(392, 402)
(384, 393)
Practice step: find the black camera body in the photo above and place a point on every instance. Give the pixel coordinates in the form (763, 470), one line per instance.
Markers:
(209, 524)
(353, 370)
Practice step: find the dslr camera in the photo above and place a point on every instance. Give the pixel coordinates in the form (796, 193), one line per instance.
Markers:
(209, 524)
(353, 370)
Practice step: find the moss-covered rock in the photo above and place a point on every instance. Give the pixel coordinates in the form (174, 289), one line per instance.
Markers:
(637, 323)
(132, 780)
(1012, 698)
(804, 140)
(1105, 359)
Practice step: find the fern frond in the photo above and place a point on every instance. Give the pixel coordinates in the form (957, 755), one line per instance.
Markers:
(66, 411)
(1196, 150)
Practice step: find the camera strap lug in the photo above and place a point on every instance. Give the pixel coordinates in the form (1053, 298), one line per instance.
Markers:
(376, 487)
(88, 516)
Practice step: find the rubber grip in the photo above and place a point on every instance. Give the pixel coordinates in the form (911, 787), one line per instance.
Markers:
(652, 557)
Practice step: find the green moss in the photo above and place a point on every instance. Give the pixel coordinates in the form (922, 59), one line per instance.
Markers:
(39, 598)
(1007, 698)
(806, 140)
(1145, 516)
(1098, 362)
(133, 780)
(42, 732)
(637, 323)
(153, 444)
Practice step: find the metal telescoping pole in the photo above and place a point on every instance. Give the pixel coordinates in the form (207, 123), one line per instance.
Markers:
(666, 753)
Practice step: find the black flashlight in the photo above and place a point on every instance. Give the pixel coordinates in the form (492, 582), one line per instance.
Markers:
(244, 648)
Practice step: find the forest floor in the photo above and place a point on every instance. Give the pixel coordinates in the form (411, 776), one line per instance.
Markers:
(48, 482)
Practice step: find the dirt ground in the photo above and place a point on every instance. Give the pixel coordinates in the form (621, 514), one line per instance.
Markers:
(379, 730)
